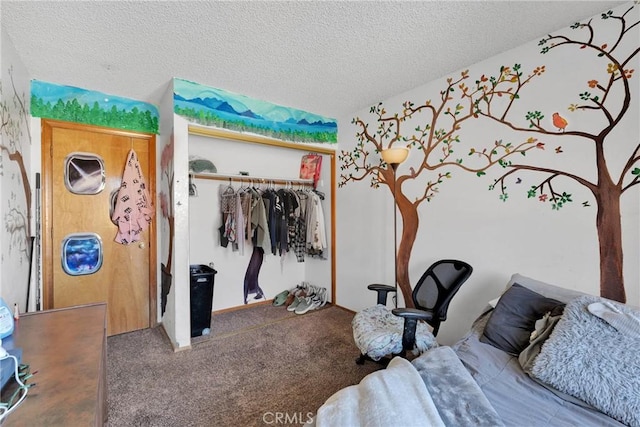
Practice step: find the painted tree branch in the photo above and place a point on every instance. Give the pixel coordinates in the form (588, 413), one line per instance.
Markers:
(12, 131)
(432, 129)
(606, 190)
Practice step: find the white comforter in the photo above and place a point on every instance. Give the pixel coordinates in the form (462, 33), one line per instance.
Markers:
(393, 396)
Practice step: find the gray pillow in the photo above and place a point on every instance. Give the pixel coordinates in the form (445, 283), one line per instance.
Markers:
(589, 359)
(514, 318)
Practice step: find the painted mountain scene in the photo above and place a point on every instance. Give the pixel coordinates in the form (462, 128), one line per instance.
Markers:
(222, 109)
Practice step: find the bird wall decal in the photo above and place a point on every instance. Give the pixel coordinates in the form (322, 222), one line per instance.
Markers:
(559, 121)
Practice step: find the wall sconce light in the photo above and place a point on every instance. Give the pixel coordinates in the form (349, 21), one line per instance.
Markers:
(393, 157)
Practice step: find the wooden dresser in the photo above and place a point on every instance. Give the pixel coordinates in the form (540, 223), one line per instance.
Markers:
(68, 348)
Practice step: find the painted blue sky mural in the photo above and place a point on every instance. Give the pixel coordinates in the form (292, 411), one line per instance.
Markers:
(220, 108)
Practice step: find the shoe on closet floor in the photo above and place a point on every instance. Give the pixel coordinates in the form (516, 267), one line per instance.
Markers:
(280, 299)
(296, 302)
(305, 305)
(297, 292)
(314, 301)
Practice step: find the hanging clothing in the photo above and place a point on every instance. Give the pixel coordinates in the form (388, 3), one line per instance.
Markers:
(316, 235)
(273, 207)
(245, 202)
(251, 285)
(240, 228)
(133, 210)
(300, 239)
(227, 209)
(259, 226)
(283, 220)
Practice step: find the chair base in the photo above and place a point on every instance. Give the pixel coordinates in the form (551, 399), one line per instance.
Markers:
(383, 362)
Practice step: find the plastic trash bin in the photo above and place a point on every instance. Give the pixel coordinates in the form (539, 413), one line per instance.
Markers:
(202, 278)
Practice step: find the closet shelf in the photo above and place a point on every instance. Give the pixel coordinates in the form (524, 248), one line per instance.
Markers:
(255, 179)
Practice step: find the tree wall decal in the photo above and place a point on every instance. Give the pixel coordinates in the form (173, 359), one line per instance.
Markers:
(14, 118)
(608, 96)
(433, 133)
(166, 206)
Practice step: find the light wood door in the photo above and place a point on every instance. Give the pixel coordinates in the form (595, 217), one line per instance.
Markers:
(125, 277)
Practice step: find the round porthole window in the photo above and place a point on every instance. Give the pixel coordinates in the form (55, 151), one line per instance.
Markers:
(84, 173)
(81, 254)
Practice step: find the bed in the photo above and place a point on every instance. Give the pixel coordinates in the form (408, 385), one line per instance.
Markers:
(542, 356)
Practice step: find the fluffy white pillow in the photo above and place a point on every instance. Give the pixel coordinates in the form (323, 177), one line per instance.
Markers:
(589, 359)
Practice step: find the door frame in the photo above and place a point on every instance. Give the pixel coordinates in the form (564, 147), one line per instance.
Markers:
(47, 127)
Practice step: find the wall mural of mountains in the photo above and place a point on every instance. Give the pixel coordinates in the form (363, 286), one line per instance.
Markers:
(219, 108)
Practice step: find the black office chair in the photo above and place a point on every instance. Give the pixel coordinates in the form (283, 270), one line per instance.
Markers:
(380, 332)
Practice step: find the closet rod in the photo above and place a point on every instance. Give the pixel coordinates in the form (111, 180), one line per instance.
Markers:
(256, 179)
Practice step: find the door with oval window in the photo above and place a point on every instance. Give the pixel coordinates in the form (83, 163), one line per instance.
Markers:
(82, 261)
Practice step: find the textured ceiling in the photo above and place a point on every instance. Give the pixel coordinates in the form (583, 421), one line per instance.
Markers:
(329, 58)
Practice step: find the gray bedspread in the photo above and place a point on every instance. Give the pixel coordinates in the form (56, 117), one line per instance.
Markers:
(519, 400)
(458, 398)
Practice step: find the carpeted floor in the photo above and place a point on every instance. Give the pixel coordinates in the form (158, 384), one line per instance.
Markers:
(260, 366)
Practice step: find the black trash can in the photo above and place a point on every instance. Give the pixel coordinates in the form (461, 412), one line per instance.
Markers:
(202, 277)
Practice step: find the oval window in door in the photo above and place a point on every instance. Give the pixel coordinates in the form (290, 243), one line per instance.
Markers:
(113, 198)
(84, 173)
(81, 254)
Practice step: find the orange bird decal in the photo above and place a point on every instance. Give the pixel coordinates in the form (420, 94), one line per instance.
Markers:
(559, 121)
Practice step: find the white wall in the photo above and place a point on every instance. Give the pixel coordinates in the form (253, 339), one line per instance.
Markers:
(164, 166)
(468, 222)
(179, 295)
(16, 142)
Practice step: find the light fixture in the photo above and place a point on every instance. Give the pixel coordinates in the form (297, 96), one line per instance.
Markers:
(393, 157)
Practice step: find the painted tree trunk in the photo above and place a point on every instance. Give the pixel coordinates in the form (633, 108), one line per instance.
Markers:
(609, 228)
(410, 223)
(166, 276)
(171, 236)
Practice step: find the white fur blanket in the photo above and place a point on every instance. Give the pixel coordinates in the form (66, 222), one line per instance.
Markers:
(396, 396)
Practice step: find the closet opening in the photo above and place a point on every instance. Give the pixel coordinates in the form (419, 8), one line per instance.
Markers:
(233, 169)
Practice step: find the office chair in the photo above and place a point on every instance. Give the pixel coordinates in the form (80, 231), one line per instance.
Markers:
(380, 332)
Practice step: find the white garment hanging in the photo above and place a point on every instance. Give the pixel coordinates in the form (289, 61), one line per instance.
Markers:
(133, 210)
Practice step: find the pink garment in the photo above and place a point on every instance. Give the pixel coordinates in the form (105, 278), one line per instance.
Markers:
(133, 210)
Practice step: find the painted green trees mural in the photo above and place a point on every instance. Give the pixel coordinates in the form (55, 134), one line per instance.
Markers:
(435, 134)
(78, 105)
(606, 98)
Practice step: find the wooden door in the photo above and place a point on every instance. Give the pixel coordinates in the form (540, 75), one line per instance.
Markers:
(82, 261)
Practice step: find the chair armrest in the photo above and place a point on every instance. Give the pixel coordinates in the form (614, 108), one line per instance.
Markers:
(413, 313)
(411, 317)
(382, 292)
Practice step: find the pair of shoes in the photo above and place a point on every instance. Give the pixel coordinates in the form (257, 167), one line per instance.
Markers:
(296, 302)
(300, 290)
(312, 302)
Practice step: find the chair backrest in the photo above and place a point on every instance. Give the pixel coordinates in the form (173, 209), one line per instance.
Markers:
(437, 286)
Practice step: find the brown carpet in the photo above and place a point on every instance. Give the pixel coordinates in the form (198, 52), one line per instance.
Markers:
(260, 366)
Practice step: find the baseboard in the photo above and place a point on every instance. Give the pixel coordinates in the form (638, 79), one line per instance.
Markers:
(242, 307)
